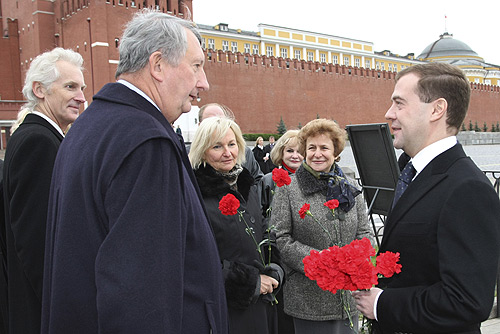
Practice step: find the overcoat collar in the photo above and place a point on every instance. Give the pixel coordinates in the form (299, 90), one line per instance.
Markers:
(429, 177)
(35, 119)
(212, 184)
(121, 94)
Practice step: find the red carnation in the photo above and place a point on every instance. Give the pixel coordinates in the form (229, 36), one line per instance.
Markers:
(303, 210)
(281, 177)
(332, 204)
(229, 205)
(387, 264)
(349, 267)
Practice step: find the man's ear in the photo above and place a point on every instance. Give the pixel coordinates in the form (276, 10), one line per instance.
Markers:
(156, 66)
(440, 107)
(38, 89)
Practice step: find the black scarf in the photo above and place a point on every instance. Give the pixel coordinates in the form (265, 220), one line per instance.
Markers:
(337, 187)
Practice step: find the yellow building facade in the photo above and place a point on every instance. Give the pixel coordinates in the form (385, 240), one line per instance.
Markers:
(281, 42)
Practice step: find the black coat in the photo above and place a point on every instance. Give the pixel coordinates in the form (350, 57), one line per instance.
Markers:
(129, 245)
(249, 312)
(445, 226)
(259, 155)
(29, 161)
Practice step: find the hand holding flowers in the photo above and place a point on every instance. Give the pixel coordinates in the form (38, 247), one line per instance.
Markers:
(228, 206)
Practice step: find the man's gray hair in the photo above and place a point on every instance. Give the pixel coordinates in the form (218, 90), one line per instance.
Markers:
(43, 69)
(150, 31)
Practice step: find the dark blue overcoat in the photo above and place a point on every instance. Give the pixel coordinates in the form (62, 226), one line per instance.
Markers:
(129, 248)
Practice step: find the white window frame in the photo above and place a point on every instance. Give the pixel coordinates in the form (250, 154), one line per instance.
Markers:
(255, 49)
(298, 54)
(310, 56)
(368, 64)
(346, 61)
(284, 53)
(356, 62)
(247, 47)
(269, 51)
(322, 58)
(335, 59)
(211, 43)
(234, 47)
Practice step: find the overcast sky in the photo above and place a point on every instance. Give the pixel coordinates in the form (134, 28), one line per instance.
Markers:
(400, 26)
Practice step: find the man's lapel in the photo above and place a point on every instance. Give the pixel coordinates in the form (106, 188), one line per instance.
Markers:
(429, 178)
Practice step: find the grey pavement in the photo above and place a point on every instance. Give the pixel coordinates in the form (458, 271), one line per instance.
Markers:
(491, 326)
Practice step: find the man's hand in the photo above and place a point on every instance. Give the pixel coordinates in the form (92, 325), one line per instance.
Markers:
(365, 301)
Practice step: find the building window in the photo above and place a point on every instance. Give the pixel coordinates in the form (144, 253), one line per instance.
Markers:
(225, 46)
(382, 66)
(367, 64)
(297, 54)
(234, 47)
(395, 68)
(335, 59)
(247, 47)
(322, 57)
(284, 53)
(346, 61)
(203, 43)
(487, 81)
(269, 51)
(255, 49)
(389, 67)
(310, 56)
(356, 62)
(211, 43)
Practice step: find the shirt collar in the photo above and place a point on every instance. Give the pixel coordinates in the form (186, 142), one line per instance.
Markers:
(47, 118)
(138, 91)
(427, 154)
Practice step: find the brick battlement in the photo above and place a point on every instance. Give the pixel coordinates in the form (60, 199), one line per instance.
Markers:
(261, 90)
(238, 58)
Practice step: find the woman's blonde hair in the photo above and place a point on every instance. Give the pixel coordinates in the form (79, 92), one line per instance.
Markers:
(211, 131)
(289, 138)
(257, 140)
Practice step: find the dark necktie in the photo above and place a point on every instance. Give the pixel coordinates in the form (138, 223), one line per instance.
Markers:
(404, 180)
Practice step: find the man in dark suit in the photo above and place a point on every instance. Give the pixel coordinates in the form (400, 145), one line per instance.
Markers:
(129, 248)
(54, 89)
(446, 224)
(267, 150)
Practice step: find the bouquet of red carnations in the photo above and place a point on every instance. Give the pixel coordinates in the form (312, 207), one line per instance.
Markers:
(350, 267)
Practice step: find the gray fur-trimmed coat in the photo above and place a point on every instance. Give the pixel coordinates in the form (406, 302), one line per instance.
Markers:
(296, 237)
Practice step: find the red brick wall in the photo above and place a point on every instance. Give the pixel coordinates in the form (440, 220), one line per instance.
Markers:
(263, 90)
(10, 72)
(259, 92)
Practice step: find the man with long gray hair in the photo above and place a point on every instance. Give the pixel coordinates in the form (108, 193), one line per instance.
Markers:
(129, 246)
(54, 89)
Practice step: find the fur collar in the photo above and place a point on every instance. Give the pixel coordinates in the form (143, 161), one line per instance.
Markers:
(308, 184)
(212, 184)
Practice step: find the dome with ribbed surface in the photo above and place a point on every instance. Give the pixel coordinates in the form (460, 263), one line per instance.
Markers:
(447, 46)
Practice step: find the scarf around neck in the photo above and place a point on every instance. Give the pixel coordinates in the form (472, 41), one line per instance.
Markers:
(231, 177)
(338, 186)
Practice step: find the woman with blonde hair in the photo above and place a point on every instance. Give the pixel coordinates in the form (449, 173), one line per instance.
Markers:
(216, 154)
(260, 155)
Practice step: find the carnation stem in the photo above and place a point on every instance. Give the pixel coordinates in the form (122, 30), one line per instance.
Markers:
(321, 225)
